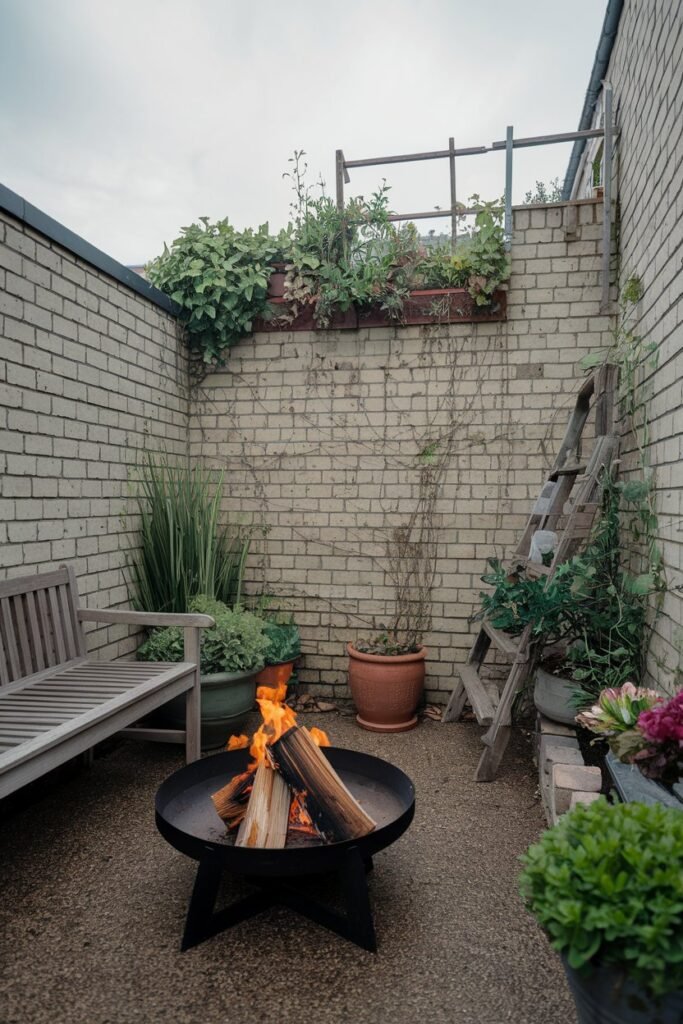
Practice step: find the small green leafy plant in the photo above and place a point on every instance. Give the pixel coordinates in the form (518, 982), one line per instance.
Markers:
(237, 643)
(387, 645)
(284, 640)
(606, 885)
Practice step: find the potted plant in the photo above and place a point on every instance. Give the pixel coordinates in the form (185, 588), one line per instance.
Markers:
(386, 677)
(283, 650)
(606, 885)
(232, 653)
(589, 617)
(644, 729)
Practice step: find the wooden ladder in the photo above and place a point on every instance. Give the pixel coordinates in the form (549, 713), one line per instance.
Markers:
(567, 504)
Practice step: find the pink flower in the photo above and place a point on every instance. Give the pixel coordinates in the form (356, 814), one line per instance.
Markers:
(664, 723)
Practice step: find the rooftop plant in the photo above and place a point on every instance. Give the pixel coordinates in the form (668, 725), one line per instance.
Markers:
(334, 259)
(219, 278)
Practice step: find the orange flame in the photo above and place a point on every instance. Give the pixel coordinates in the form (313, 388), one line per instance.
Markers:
(299, 817)
(275, 693)
(277, 717)
(319, 736)
(237, 742)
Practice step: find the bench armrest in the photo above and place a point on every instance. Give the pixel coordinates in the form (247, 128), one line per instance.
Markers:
(145, 618)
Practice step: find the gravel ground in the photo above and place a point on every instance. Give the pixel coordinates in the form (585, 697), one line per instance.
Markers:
(93, 903)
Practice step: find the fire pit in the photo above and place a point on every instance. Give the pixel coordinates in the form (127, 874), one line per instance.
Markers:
(187, 819)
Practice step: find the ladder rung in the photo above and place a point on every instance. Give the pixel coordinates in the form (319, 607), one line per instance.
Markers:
(508, 644)
(535, 569)
(478, 694)
(574, 470)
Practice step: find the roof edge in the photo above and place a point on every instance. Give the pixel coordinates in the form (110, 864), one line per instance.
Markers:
(603, 53)
(34, 218)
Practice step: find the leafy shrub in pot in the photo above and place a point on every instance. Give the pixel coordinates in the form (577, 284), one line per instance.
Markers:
(232, 652)
(606, 885)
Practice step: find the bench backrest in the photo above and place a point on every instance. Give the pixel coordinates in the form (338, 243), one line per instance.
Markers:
(39, 625)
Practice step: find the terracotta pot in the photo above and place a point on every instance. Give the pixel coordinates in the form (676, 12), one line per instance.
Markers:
(386, 690)
(437, 305)
(346, 320)
(275, 675)
(276, 284)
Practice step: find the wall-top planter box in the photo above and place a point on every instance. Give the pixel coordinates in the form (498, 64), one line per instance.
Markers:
(433, 306)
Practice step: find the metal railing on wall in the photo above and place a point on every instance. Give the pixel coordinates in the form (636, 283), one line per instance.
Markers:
(608, 133)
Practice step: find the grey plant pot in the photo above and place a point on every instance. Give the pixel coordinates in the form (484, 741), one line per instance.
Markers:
(607, 996)
(552, 697)
(227, 699)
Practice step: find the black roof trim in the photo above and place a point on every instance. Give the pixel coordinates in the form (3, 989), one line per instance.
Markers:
(600, 66)
(56, 232)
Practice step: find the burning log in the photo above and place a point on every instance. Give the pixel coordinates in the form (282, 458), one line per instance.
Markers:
(265, 822)
(231, 801)
(337, 815)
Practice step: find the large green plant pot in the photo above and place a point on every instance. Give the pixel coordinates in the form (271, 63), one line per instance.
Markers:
(227, 699)
(607, 996)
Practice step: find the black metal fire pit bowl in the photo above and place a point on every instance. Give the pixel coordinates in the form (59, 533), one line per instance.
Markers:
(187, 819)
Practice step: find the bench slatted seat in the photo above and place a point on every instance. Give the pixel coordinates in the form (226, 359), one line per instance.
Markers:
(55, 702)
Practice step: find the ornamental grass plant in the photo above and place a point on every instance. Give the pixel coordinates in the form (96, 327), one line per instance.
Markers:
(183, 550)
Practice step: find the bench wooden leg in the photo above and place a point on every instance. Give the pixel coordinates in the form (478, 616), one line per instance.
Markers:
(193, 723)
(193, 705)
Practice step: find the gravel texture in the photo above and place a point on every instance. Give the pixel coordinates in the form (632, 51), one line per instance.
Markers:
(93, 903)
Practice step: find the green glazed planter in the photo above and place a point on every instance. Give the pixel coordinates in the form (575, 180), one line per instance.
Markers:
(227, 699)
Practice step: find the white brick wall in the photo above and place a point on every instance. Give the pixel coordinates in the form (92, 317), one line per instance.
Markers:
(91, 376)
(645, 73)
(319, 434)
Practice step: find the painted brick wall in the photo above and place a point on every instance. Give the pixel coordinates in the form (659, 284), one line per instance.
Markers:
(91, 375)
(645, 72)
(321, 436)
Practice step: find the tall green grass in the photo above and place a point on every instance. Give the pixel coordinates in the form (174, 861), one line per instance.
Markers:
(183, 550)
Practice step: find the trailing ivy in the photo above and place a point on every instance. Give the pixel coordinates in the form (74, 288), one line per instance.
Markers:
(219, 278)
(334, 259)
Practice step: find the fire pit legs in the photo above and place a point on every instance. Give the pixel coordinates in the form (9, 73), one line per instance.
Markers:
(356, 925)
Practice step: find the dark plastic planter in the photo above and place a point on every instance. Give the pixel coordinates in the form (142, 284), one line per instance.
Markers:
(606, 996)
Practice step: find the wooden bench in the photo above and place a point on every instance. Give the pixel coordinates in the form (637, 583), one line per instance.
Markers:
(56, 703)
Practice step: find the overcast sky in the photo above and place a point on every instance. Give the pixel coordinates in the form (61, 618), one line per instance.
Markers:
(126, 119)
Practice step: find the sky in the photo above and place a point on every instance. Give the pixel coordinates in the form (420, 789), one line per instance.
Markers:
(127, 119)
